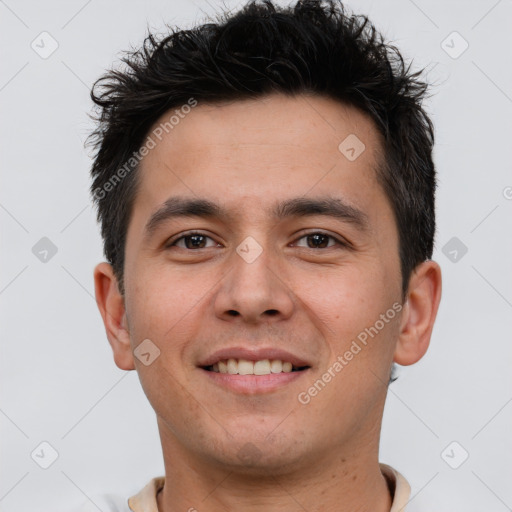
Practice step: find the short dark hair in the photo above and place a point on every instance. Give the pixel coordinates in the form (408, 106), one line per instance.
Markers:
(313, 47)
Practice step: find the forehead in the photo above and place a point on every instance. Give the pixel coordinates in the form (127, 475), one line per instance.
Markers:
(307, 121)
(300, 142)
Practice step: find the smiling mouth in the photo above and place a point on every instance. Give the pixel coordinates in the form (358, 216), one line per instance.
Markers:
(246, 367)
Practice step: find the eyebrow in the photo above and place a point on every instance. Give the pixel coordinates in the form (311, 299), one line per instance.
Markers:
(176, 207)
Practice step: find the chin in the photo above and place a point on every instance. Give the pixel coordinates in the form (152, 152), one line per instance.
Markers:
(257, 458)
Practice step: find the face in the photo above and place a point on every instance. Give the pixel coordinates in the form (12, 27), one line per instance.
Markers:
(294, 258)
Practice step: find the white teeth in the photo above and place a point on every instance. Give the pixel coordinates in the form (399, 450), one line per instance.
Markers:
(287, 367)
(276, 366)
(262, 367)
(245, 367)
(232, 366)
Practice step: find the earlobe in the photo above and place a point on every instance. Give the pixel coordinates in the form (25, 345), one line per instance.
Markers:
(111, 305)
(419, 313)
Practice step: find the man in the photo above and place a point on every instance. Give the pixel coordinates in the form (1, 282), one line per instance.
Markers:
(265, 188)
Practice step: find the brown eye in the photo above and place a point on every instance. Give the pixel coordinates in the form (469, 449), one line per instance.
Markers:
(319, 240)
(192, 241)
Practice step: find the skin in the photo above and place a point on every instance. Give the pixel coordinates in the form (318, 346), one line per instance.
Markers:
(313, 302)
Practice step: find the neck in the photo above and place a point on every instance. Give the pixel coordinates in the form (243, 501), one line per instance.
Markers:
(341, 481)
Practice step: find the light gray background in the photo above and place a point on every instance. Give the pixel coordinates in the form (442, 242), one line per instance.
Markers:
(58, 380)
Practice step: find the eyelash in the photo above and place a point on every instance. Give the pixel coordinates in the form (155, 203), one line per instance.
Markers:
(338, 241)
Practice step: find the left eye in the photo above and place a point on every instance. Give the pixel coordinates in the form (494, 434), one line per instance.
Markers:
(319, 240)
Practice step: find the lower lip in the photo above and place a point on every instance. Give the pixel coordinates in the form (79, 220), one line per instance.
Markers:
(253, 384)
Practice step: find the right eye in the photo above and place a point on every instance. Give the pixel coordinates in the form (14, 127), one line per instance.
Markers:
(192, 241)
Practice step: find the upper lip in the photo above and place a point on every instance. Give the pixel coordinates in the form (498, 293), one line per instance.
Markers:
(251, 354)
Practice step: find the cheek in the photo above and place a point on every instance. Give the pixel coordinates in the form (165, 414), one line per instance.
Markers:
(163, 309)
(360, 329)
(345, 300)
(161, 304)
(346, 306)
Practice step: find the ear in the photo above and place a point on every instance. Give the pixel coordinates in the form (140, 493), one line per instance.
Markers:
(419, 313)
(111, 305)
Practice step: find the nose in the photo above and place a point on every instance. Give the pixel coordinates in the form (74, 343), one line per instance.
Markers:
(254, 291)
